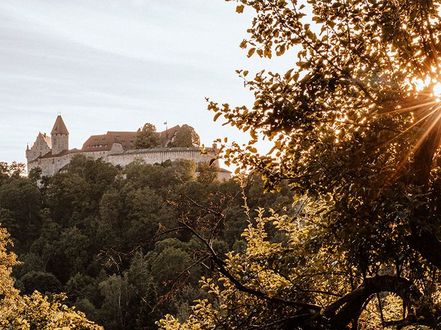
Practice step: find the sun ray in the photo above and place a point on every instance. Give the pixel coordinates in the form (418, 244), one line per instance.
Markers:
(410, 108)
(408, 128)
(427, 131)
(437, 91)
(420, 140)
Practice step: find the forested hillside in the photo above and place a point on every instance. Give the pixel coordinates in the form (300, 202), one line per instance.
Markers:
(117, 241)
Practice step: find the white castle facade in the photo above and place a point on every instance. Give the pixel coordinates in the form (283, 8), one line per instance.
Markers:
(51, 153)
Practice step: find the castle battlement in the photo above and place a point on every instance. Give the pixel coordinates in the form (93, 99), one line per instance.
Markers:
(52, 154)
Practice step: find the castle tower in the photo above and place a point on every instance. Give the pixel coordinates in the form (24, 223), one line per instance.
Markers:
(41, 147)
(59, 137)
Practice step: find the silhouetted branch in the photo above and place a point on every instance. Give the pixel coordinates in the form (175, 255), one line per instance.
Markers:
(220, 265)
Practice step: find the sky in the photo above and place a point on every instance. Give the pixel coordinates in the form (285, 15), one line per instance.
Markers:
(113, 65)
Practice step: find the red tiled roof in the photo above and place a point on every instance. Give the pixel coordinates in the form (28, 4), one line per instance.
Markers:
(105, 141)
(59, 126)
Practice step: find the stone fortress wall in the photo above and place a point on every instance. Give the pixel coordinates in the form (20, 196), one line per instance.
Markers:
(42, 156)
(52, 165)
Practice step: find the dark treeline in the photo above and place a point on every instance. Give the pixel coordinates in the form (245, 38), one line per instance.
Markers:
(112, 239)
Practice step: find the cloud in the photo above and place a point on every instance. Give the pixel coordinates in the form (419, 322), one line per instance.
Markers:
(114, 65)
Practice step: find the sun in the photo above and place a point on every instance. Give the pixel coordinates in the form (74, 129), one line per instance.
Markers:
(436, 91)
(429, 84)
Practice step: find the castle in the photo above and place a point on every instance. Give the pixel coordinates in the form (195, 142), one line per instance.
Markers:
(52, 154)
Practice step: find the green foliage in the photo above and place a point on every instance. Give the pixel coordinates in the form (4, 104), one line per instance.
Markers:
(355, 132)
(112, 238)
(147, 137)
(41, 281)
(35, 174)
(13, 170)
(207, 173)
(169, 263)
(185, 136)
(117, 293)
(34, 311)
(20, 202)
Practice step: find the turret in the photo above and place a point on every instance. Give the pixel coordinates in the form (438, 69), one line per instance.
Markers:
(41, 147)
(60, 137)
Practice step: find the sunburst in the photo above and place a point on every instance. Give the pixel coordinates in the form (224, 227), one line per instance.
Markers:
(429, 125)
(426, 123)
(436, 91)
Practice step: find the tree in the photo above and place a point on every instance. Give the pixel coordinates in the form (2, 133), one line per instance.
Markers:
(74, 195)
(185, 136)
(356, 130)
(206, 173)
(112, 238)
(20, 203)
(13, 170)
(45, 282)
(147, 137)
(35, 175)
(118, 294)
(35, 311)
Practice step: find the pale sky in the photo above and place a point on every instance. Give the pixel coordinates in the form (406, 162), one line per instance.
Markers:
(117, 64)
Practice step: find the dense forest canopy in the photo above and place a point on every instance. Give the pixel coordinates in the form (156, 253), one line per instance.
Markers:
(115, 240)
(32, 311)
(355, 126)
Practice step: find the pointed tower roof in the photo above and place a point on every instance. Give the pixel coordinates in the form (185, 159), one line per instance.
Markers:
(59, 126)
